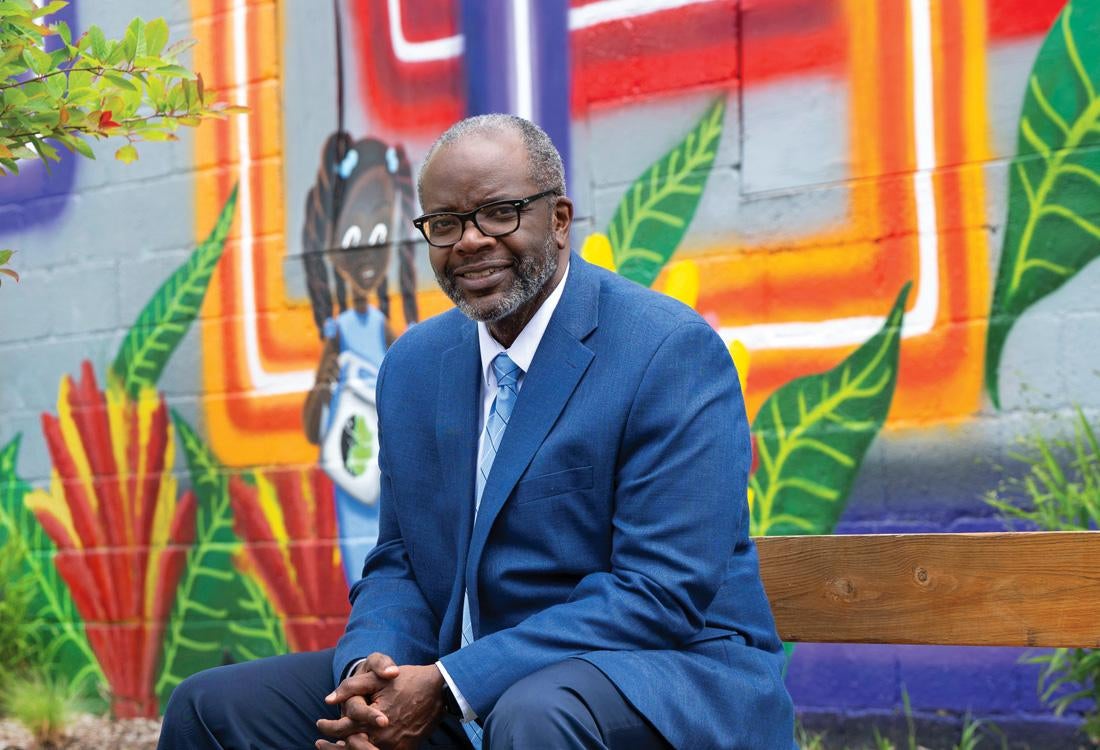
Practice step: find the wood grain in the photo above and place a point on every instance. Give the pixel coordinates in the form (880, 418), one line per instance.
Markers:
(1007, 589)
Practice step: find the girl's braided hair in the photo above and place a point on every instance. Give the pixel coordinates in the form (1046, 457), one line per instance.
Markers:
(335, 178)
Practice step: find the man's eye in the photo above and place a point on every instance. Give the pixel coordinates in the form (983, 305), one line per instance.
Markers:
(443, 223)
(503, 211)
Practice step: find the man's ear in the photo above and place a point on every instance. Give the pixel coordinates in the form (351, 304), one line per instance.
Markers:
(562, 220)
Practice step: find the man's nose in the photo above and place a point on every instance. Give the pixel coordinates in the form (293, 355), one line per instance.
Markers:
(472, 239)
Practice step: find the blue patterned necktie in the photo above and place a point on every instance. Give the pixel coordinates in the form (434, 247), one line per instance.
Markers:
(508, 374)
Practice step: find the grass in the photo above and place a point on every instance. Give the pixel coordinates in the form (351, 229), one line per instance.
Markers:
(45, 704)
(974, 732)
(1060, 491)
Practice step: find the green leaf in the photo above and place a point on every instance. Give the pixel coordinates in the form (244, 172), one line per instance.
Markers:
(49, 8)
(175, 71)
(1053, 226)
(15, 97)
(99, 42)
(120, 80)
(80, 146)
(156, 36)
(5, 256)
(165, 319)
(38, 60)
(55, 85)
(812, 433)
(57, 623)
(653, 216)
(217, 611)
(64, 32)
(137, 30)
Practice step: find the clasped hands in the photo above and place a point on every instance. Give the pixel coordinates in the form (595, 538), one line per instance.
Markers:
(384, 706)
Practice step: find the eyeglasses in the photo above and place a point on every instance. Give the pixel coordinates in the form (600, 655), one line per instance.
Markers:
(494, 219)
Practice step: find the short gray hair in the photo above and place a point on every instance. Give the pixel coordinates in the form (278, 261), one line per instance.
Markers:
(547, 170)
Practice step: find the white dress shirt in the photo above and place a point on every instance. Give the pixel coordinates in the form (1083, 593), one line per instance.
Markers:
(522, 352)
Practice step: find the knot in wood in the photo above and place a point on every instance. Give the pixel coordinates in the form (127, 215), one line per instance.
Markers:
(921, 575)
(843, 589)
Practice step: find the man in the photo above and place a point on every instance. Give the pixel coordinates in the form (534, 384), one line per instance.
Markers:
(563, 558)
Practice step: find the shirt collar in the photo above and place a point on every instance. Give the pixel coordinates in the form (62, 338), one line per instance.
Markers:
(522, 350)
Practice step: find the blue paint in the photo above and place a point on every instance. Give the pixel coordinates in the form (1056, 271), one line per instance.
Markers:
(35, 180)
(491, 64)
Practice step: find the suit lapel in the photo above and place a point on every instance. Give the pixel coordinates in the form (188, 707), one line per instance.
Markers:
(559, 363)
(458, 399)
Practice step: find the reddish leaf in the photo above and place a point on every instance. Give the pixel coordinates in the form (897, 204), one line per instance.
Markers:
(106, 121)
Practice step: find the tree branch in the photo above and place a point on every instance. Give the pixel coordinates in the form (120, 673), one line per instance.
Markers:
(113, 131)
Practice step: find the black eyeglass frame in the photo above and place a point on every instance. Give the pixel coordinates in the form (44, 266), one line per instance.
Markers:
(519, 204)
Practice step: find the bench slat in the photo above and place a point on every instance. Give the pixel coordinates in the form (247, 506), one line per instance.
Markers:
(1002, 589)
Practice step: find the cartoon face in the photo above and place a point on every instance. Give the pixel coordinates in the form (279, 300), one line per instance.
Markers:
(365, 229)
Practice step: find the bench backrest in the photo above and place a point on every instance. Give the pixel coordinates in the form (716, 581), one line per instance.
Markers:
(1007, 589)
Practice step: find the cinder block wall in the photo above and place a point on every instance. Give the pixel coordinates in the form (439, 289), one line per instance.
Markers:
(832, 185)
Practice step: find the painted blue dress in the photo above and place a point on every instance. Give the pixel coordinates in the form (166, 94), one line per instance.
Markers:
(364, 335)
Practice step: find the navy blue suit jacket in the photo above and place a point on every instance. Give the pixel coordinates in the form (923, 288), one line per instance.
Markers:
(613, 526)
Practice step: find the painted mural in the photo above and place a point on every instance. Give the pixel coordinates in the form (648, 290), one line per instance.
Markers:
(879, 206)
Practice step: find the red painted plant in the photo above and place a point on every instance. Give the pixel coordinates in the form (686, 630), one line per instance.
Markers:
(287, 522)
(121, 530)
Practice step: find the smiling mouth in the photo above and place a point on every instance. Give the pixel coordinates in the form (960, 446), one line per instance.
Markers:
(479, 274)
(482, 271)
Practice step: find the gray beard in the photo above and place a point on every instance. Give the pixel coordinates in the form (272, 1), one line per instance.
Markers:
(531, 275)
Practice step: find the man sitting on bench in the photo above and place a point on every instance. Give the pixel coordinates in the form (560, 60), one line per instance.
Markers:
(563, 558)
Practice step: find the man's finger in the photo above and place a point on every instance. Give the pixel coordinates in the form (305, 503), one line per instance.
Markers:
(361, 742)
(357, 742)
(357, 709)
(382, 665)
(364, 683)
(339, 728)
(367, 678)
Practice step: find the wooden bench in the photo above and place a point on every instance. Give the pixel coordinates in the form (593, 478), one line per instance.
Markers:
(1001, 589)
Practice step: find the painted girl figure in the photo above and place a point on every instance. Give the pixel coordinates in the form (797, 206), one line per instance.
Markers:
(356, 214)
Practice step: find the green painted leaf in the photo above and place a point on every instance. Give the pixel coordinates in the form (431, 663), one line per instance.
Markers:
(653, 216)
(57, 625)
(812, 433)
(1053, 225)
(218, 613)
(165, 319)
(361, 451)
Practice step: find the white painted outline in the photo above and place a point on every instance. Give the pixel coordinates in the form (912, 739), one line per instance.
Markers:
(444, 48)
(450, 47)
(921, 318)
(263, 382)
(521, 57)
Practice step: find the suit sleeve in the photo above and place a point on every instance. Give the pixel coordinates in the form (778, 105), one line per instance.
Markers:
(388, 610)
(679, 495)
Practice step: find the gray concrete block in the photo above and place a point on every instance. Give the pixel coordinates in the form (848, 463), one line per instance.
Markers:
(1032, 369)
(27, 308)
(83, 298)
(139, 279)
(625, 142)
(796, 134)
(33, 462)
(38, 368)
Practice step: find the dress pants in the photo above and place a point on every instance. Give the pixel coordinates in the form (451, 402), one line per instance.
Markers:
(272, 704)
